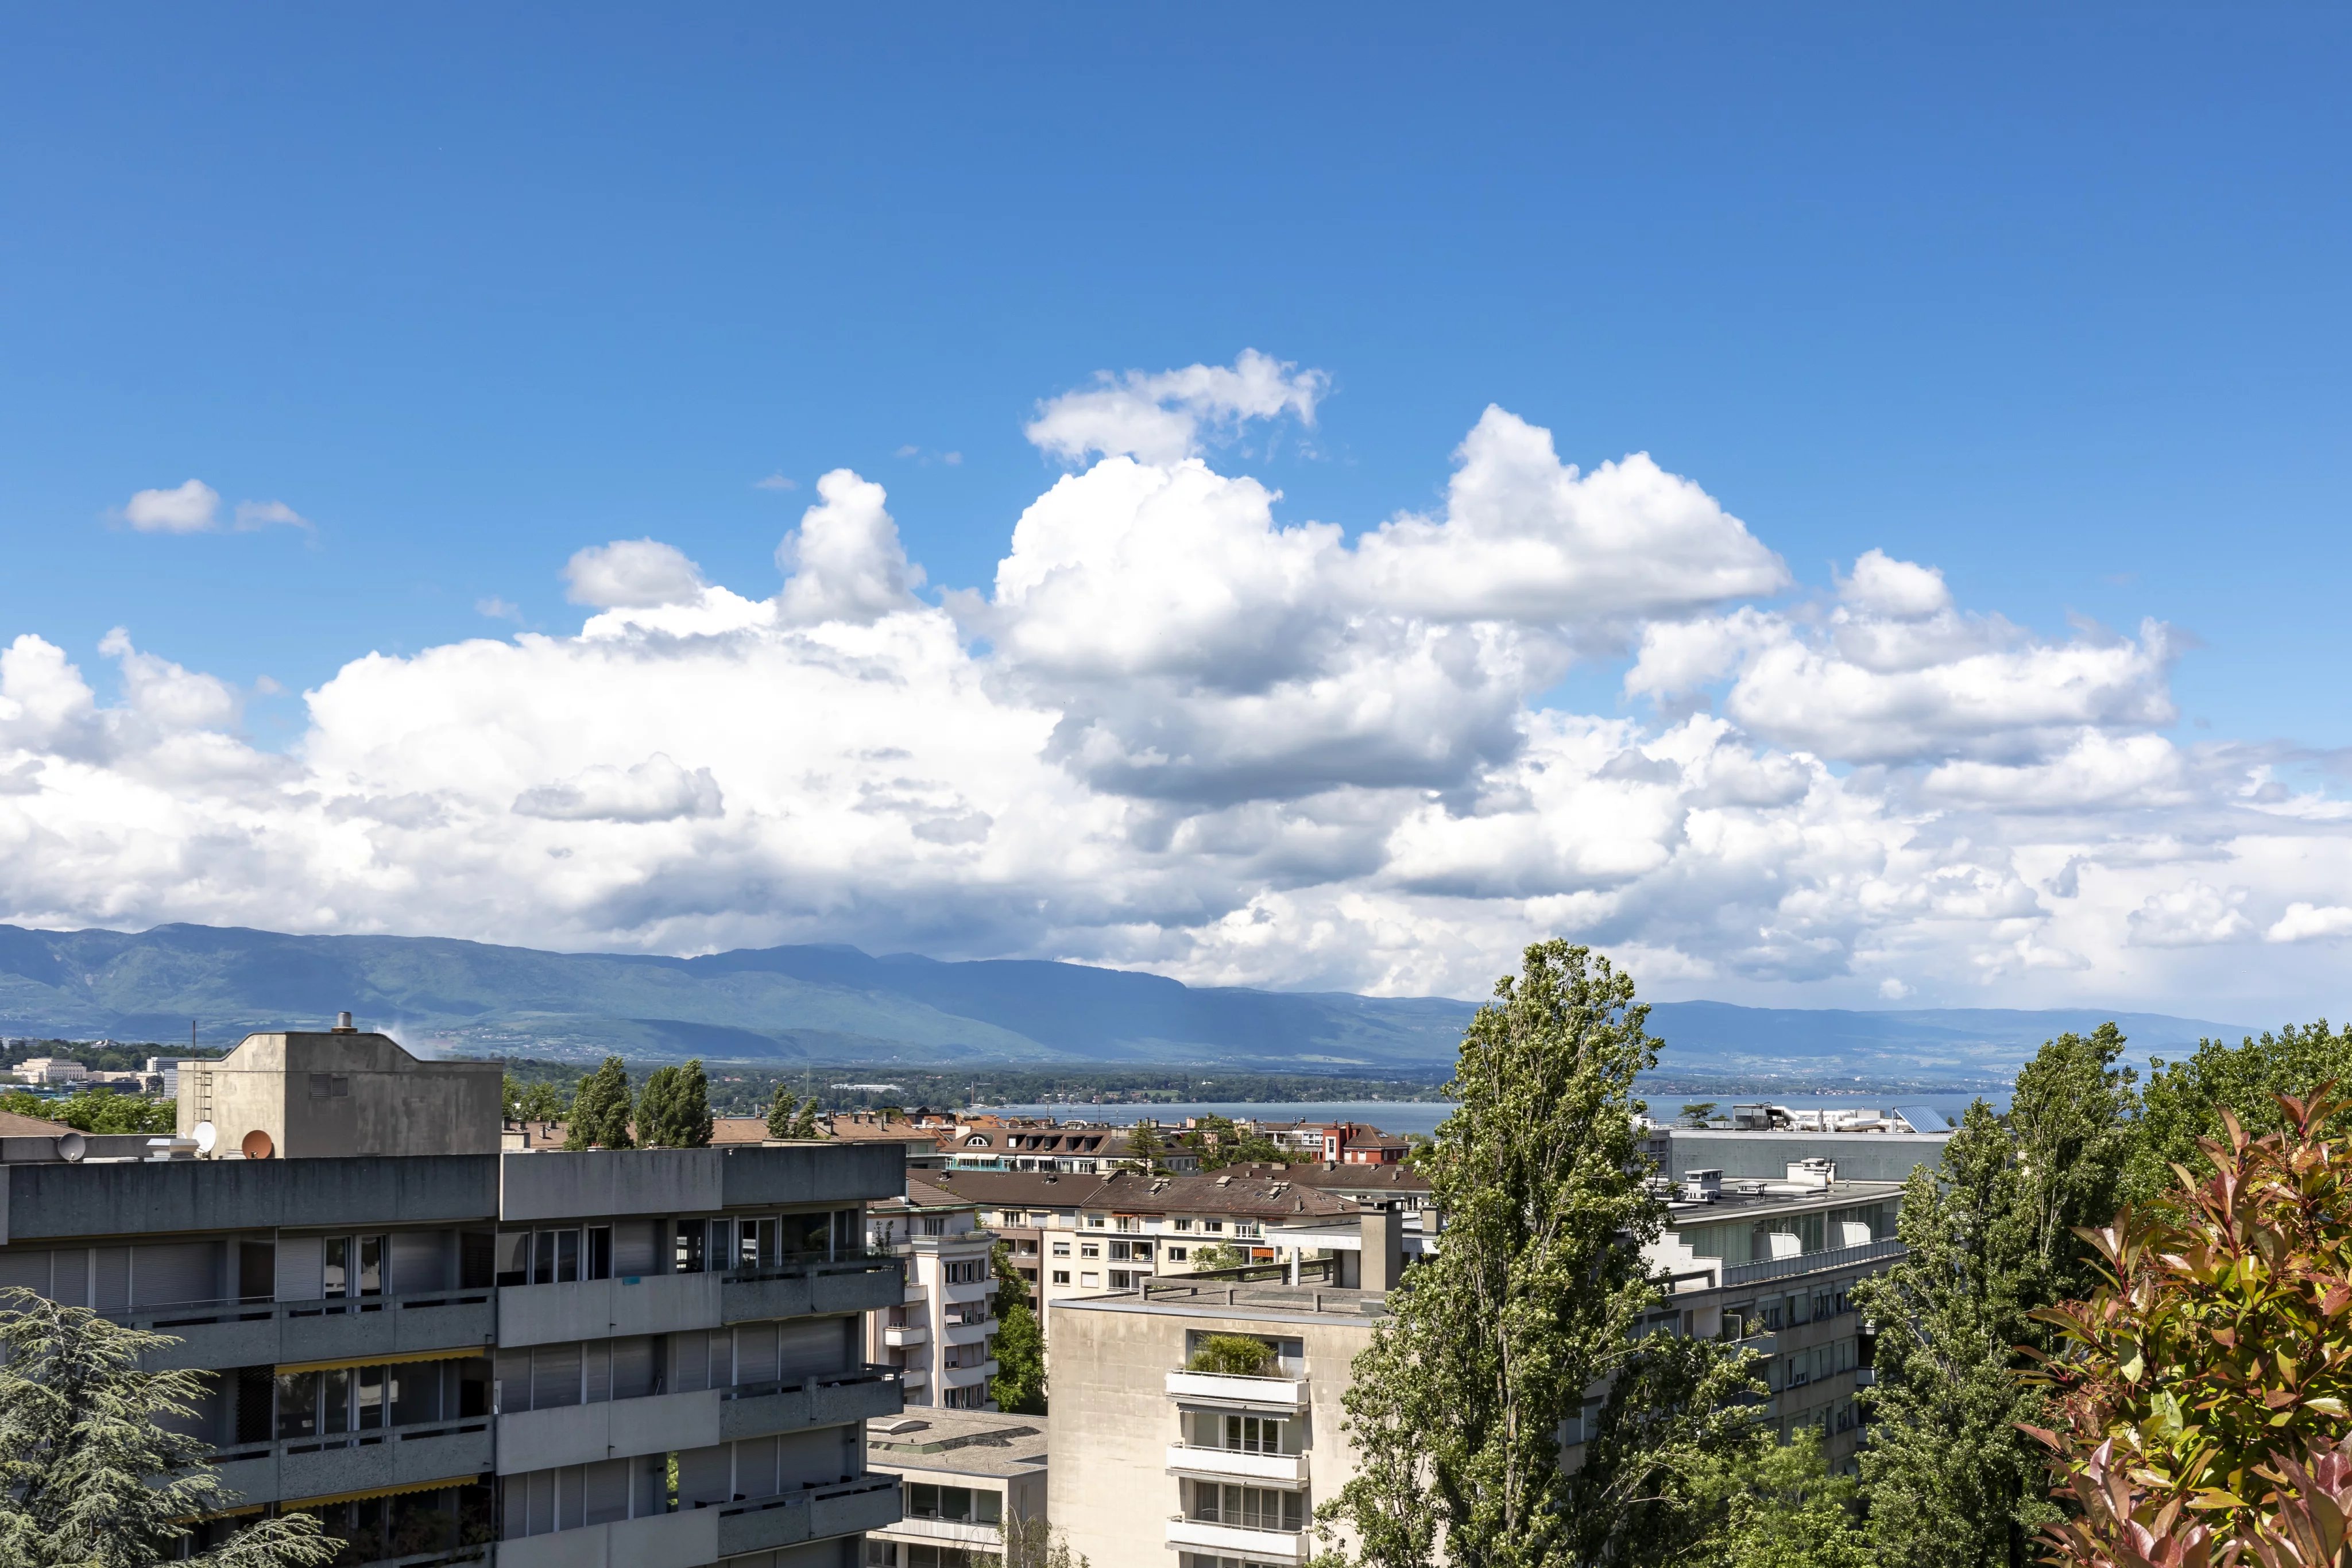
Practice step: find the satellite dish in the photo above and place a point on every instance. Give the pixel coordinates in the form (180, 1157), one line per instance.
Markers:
(207, 1136)
(257, 1144)
(71, 1146)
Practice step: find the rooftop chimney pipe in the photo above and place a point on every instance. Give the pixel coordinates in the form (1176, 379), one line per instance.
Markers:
(344, 1024)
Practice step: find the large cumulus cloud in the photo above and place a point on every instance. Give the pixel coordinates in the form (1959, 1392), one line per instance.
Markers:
(1177, 730)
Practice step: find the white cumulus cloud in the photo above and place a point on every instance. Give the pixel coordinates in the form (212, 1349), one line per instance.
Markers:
(185, 508)
(1181, 730)
(1168, 415)
(632, 574)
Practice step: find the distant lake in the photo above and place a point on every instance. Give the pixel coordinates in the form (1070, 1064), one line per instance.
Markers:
(1403, 1116)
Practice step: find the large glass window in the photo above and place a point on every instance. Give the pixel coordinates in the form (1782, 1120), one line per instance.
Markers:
(1248, 1508)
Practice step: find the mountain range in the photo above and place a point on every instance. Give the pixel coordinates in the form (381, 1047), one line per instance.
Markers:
(839, 1005)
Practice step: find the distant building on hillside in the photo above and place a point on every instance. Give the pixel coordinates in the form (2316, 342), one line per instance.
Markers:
(51, 1072)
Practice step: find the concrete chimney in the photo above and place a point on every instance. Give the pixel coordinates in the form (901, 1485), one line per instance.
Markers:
(1382, 1264)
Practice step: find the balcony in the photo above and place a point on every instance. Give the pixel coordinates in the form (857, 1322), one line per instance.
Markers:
(216, 1335)
(987, 1537)
(1226, 1392)
(402, 1457)
(969, 1333)
(1234, 1540)
(914, 1376)
(1812, 1262)
(898, 1336)
(969, 1291)
(1237, 1465)
(968, 1377)
(860, 1282)
(820, 1399)
(843, 1508)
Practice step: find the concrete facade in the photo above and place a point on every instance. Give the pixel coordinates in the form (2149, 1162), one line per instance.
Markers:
(628, 1359)
(1147, 1458)
(333, 1093)
(964, 1474)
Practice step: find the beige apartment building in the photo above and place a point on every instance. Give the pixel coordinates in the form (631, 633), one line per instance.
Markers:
(1148, 1458)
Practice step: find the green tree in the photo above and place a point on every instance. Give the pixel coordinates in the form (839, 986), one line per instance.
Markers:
(1020, 1381)
(1770, 1504)
(1145, 1147)
(1697, 1113)
(99, 1111)
(1216, 1255)
(537, 1101)
(600, 1110)
(89, 1478)
(1031, 1543)
(1951, 1479)
(1456, 1405)
(674, 1109)
(1677, 1412)
(1234, 1354)
(781, 1113)
(2184, 1100)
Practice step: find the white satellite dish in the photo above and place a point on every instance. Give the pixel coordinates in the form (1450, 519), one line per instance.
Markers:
(206, 1135)
(71, 1146)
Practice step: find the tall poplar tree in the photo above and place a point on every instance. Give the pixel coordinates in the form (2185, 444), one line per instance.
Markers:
(89, 1478)
(674, 1110)
(1535, 1295)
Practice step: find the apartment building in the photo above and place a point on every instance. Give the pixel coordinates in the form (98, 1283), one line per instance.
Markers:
(1146, 1456)
(963, 1475)
(1076, 1236)
(940, 1337)
(626, 1359)
(1069, 1148)
(1372, 1185)
(1772, 1264)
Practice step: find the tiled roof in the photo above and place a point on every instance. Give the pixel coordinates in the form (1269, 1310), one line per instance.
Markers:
(1341, 1178)
(1126, 1192)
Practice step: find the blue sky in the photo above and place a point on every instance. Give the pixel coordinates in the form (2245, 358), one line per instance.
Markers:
(2052, 304)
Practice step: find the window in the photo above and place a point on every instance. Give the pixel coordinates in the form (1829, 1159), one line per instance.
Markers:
(1183, 1224)
(354, 1265)
(1176, 1254)
(1241, 1434)
(1061, 1276)
(1247, 1508)
(1095, 1222)
(1026, 1248)
(1061, 1249)
(1121, 1280)
(1213, 1225)
(967, 1273)
(1090, 1250)
(935, 1225)
(1121, 1250)
(1090, 1279)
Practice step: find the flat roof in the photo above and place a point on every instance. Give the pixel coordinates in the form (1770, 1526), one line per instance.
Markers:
(1837, 1195)
(1273, 1303)
(935, 1439)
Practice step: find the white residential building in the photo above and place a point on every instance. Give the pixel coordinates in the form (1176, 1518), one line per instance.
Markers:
(942, 1336)
(963, 1474)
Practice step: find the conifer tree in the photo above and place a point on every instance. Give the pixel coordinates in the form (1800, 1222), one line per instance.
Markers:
(600, 1109)
(1020, 1381)
(88, 1476)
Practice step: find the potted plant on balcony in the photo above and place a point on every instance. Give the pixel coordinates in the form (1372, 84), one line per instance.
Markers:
(1234, 1356)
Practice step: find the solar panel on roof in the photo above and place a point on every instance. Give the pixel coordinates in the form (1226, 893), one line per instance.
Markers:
(1924, 1118)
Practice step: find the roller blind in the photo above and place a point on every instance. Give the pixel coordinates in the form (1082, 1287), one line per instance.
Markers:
(302, 1268)
(755, 1353)
(554, 1376)
(175, 1272)
(25, 1269)
(420, 1261)
(811, 1344)
(702, 1476)
(636, 1248)
(112, 1277)
(690, 1359)
(633, 1367)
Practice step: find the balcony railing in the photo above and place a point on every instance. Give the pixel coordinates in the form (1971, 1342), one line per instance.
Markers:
(1810, 1262)
(164, 1317)
(1237, 1541)
(1237, 1464)
(1224, 1388)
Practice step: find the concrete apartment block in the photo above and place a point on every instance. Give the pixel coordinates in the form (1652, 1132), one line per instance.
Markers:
(942, 1337)
(1147, 1458)
(622, 1359)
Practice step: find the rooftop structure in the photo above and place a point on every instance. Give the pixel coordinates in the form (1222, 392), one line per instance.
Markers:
(337, 1093)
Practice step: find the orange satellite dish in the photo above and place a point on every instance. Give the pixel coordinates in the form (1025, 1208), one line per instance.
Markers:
(256, 1145)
